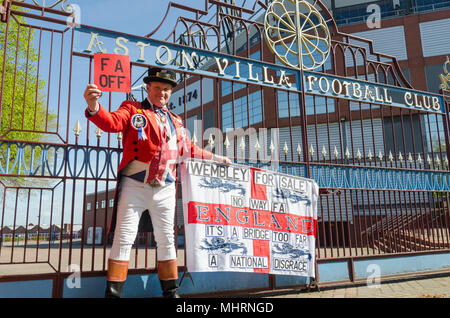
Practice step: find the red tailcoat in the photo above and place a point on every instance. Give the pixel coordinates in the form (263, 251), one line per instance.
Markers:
(141, 149)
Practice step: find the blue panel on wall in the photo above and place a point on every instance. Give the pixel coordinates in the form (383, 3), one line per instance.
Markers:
(88, 287)
(142, 286)
(206, 282)
(401, 265)
(287, 280)
(27, 289)
(148, 285)
(136, 286)
(333, 272)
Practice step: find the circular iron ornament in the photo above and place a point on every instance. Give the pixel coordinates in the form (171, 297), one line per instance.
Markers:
(312, 36)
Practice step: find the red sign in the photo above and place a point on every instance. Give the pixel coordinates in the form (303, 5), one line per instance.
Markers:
(112, 72)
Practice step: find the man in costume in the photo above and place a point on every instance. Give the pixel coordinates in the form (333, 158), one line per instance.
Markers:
(153, 141)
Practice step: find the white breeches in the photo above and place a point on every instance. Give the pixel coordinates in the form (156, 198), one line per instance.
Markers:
(136, 197)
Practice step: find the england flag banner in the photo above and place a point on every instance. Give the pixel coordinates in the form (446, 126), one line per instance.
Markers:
(244, 219)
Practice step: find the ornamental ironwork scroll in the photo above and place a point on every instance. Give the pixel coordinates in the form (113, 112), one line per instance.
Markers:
(49, 160)
(445, 78)
(297, 33)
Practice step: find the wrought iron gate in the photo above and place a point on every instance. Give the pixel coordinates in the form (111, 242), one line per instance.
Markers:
(383, 171)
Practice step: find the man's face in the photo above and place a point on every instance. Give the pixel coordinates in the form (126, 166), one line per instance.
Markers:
(159, 93)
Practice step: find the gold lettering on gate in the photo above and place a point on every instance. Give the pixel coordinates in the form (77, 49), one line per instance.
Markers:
(95, 41)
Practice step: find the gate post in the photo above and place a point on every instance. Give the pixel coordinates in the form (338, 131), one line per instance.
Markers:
(57, 288)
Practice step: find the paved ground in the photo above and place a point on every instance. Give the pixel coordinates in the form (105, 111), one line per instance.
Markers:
(437, 286)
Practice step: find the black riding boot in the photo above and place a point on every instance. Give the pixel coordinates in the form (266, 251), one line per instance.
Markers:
(170, 288)
(114, 289)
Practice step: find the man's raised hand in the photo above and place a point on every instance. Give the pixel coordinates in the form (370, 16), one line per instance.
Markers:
(91, 95)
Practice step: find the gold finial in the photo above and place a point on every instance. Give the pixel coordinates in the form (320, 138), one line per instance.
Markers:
(336, 152)
(391, 157)
(98, 132)
(299, 150)
(242, 145)
(285, 148)
(211, 141)
(257, 146)
(419, 159)
(370, 155)
(324, 152)
(358, 155)
(194, 139)
(410, 158)
(438, 161)
(226, 143)
(311, 151)
(347, 153)
(77, 129)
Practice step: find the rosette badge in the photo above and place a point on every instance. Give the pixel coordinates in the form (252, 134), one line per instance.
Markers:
(297, 33)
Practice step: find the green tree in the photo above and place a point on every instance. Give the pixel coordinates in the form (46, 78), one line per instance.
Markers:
(23, 109)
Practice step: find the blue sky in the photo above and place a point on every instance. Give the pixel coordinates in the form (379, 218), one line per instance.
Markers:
(138, 17)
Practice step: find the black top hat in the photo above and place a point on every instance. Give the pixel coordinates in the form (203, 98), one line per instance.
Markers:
(161, 75)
